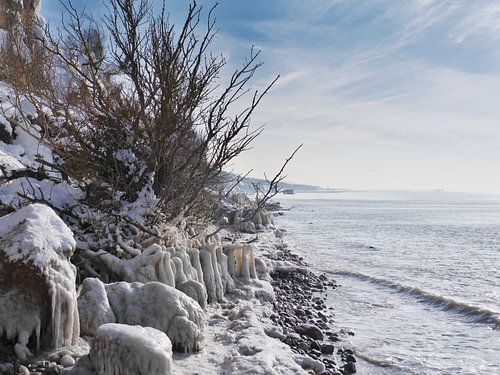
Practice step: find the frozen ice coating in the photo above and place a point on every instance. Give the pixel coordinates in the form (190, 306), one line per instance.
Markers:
(182, 253)
(180, 277)
(37, 282)
(153, 264)
(194, 255)
(159, 306)
(196, 291)
(241, 262)
(119, 349)
(222, 261)
(213, 289)
(93, 306)
(151, 305)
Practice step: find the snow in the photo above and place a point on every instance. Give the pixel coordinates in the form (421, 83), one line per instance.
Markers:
(35, 234)
(151, 305)
(60, 195)
(35, 239)
(119, 349)
(9, 163)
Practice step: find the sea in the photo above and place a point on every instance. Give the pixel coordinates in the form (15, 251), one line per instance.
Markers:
(418, 275)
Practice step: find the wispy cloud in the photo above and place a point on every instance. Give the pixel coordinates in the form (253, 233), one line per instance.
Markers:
(407, 88)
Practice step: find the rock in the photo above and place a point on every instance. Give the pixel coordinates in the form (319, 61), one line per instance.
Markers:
(304, 346)
(315, 345)
(310, 330)
(349, 368)
(327, 349)
(54, 370)
(350, 358)
(23, 370)
(67, 361)
(275, 332)
(119, 349)
(153, 305)
(37, 280)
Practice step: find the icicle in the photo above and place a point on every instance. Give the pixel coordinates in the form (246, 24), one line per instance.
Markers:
(219, 289)
(250, 261)
(208, 274)
(189, 271)
(166, 274)
(227, 280)
(180, 277)
(231, 261)
(194, 255)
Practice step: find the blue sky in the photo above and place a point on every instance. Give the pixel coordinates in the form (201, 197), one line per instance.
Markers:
(384, 94)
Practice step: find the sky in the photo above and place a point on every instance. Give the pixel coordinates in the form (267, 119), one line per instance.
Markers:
(383, 94)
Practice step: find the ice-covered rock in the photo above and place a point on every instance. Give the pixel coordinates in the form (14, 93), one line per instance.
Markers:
(94, 306)
(119, 349)
(153, 304)
(37, 281)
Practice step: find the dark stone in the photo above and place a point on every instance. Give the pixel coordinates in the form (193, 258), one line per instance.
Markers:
(327, 349)
(304, 346)
(310, 330)
(315, 345)
(350, 358)
(349, 368)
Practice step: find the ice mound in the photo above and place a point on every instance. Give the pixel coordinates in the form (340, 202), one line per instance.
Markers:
(153, 304)
(119, 349)
(37, 281)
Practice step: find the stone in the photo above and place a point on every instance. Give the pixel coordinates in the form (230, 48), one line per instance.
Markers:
(350, 358)
(67, 361)
(120, 349)
(327, 349)
(350, 368)
(310, 330)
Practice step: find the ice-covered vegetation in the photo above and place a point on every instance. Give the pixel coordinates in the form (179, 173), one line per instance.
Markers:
(111, 183)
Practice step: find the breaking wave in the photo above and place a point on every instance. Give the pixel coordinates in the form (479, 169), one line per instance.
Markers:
(474, 313)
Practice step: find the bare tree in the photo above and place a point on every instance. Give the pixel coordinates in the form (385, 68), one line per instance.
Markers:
(148, 107)
(262, 196)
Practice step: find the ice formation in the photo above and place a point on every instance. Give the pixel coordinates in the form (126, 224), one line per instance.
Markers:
(196, 291)
(119, 349)
(212, 266)
(94, 306)
(153, 304)
(211, 274)
(241, 262)
(37, 281)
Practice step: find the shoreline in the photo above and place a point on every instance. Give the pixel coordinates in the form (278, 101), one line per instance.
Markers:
(301, 310)
(293, 328)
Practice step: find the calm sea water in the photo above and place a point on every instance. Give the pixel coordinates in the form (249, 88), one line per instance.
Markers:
(419, 275)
